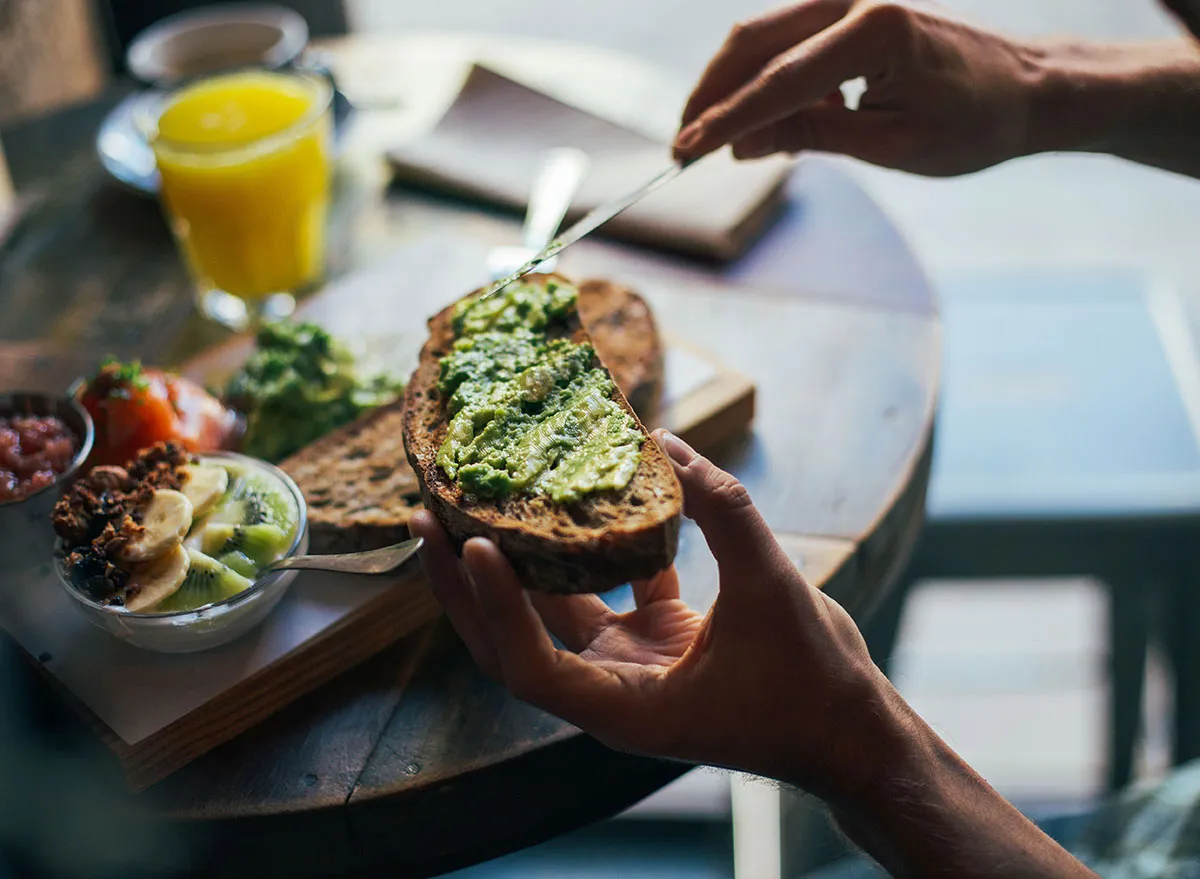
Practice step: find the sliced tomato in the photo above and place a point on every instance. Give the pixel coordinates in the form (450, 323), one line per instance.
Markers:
(128, 416)
(135, 408)
(204, 424)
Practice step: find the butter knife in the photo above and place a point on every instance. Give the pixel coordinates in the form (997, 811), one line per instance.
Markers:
(591, 221)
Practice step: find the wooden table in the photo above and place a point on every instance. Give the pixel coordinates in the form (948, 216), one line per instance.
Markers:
(414, 761)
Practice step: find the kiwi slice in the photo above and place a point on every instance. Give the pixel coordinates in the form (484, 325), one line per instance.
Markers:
(262, 543)
(239, 562)
(207, 581)
(255, 500)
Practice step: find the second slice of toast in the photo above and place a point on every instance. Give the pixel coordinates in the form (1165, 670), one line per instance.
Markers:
(602, 541)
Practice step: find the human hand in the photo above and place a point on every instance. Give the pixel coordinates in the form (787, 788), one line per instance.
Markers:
(1188, 12)
(942, 97)
(775, 680)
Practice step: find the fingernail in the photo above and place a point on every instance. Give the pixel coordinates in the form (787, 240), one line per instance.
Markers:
(472, 559)
(677, 450)
(474, 541)
(688, 137)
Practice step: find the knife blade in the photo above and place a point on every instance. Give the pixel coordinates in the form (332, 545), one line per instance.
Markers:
(590, 222)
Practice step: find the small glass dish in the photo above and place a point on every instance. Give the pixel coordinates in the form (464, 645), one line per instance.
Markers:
(190, 631)
(25, 532)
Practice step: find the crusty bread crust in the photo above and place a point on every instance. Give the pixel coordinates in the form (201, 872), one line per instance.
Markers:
(626, 339)
(601, 542)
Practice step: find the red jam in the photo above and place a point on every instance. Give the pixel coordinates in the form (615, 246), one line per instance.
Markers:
(34, 451)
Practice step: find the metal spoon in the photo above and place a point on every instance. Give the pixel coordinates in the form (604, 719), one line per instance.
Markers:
(559, 177)
(373, 561)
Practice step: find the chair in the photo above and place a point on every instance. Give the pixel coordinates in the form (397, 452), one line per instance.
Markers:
(1066, 448)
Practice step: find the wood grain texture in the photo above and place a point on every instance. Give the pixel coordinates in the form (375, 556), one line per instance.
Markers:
(413, 799)
(399, 611)
(43, 367)
(305, 756)
(720, 411)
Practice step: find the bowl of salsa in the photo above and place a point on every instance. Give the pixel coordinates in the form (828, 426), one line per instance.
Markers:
(44, 441)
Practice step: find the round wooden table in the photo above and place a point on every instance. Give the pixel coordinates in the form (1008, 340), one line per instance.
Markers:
(414, 762)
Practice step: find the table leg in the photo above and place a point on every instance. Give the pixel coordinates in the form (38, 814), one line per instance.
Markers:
(1128, 623)
(1184, 648)
(882, 629)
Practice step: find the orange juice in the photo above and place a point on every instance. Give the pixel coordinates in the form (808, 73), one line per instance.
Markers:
(244, 162)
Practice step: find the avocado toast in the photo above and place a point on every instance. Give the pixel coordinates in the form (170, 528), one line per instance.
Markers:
(517, 432)
(359, 487)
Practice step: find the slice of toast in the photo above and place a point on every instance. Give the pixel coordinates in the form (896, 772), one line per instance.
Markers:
(360, 490)
(600, 542)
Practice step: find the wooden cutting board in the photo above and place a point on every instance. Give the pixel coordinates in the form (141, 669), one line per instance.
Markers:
(703, 401)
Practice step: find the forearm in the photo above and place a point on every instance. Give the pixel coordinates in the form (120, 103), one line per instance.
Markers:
(931, 815)
(1138, 101)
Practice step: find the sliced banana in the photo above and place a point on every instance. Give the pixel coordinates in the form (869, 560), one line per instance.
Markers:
(165, 521)
(153, 582)
(195, 539)
(204, 486)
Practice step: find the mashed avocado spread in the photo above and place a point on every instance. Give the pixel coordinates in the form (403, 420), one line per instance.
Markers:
(299, 384)
(529, 413)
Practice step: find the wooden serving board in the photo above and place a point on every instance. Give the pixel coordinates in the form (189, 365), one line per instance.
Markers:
(157, 712)
(289, 656)
(704, 402)
(405, 608)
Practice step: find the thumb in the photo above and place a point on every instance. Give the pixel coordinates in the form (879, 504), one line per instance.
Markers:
(870, 135)
(735, 531)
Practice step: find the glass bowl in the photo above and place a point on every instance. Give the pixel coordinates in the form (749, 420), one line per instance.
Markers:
(189, 631)
(26, 535)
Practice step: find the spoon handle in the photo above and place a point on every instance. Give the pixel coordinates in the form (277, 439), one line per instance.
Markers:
(553, 191)
(374, 561)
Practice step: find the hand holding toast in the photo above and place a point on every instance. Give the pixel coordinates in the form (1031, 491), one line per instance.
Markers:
(775, 680)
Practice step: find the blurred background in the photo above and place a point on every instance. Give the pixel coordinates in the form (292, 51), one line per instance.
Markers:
(1015, 673)
(1103, 212)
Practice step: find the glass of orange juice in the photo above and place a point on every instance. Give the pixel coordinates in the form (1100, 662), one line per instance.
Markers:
(244, 160)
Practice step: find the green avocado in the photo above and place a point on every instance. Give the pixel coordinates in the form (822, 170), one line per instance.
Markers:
(299, 384)
(531, 414)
